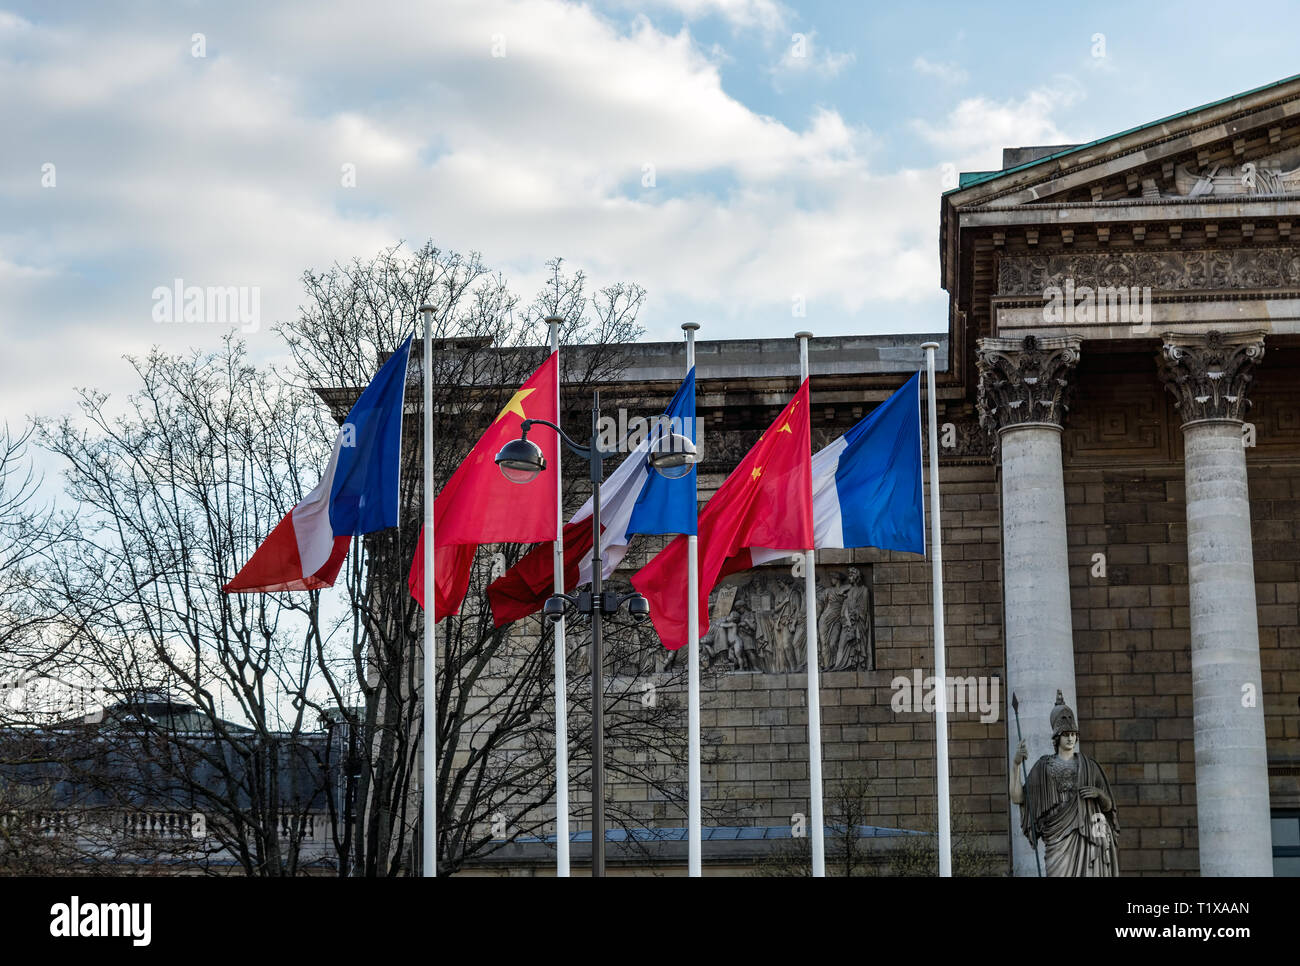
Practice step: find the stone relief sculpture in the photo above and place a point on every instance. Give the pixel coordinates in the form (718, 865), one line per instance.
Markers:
(855, 650)
(788, 632)
(1068, 804)
(757, 623)
(1263, 177)
(1029, 276)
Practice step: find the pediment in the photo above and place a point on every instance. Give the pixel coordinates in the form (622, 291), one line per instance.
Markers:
(1238, 147)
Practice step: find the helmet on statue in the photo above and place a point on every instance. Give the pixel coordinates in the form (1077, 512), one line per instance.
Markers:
(1063, 717)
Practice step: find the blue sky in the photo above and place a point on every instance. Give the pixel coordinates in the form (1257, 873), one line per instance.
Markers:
(798, 150)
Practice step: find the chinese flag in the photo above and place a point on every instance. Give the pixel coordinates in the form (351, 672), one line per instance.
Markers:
(479, 505)
(523, 589)
(765, 502)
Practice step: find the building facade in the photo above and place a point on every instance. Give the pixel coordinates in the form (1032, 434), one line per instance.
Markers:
(1120, 489)
(1124, 314)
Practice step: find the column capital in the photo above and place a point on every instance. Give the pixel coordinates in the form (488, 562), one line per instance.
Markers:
(1208, 374)
(1025, 381)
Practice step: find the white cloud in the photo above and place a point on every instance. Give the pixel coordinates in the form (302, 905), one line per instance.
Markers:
(12, 273)
(225, 171)
(947, 72)
(978, 128)
(804, 55)
(13, 22)
(767, 15)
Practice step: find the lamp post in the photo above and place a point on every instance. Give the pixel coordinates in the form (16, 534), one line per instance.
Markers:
(521, 461)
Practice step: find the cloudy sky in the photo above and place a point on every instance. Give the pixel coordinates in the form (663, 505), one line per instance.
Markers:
(729, 155)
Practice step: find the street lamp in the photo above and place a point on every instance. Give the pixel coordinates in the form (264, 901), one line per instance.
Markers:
(671, 455)
(521, 460)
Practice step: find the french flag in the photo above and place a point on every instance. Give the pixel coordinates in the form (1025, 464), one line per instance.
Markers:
(358, 494)
(634, 499)
(867, 484)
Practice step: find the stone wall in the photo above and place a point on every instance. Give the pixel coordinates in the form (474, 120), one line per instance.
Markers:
(755, 724)
(1275, 527)
(1132, 656)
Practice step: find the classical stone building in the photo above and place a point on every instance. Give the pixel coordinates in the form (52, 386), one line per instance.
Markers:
(1120, 484)
(1124, 315)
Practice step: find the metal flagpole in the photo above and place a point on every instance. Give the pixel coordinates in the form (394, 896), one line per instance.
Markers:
(817, 819)
(561, 649)
(597, 654)
(940, 666)
(693, 822)
(429, 849)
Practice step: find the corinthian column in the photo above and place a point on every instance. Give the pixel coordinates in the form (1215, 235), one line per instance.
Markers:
(1208, 376)
(1022, 398)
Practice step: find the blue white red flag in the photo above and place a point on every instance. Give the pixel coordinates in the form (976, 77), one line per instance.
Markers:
(867, 484)
(358, 494)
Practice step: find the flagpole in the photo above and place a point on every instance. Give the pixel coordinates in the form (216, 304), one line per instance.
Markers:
(694, 861)
(561, 648)
(429, 845)
(940, 666)
(817, 820)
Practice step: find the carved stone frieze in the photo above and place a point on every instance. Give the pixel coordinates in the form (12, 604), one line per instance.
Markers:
(1024, 380)
(757, 622)
(1265, 176)
(1209, 374)
(1035, 276)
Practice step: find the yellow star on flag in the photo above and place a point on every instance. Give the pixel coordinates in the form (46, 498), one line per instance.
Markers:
(516, 405)
(786, 428)
(756, 472)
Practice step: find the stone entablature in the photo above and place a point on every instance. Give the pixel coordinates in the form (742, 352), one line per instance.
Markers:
(1196, 212)
(1209, 374)
(1031, 276)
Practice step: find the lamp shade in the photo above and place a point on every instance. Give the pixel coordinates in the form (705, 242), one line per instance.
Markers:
(521, 460)
(672, 456)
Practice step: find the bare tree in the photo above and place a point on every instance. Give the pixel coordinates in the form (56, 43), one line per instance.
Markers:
(850, 807)
(32, 839)
(206, 454)
(261, 712)
(29, 530)
(971, 853)
(495, 698)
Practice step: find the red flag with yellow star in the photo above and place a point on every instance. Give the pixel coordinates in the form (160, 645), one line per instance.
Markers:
(765, 502)
(479, 505)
